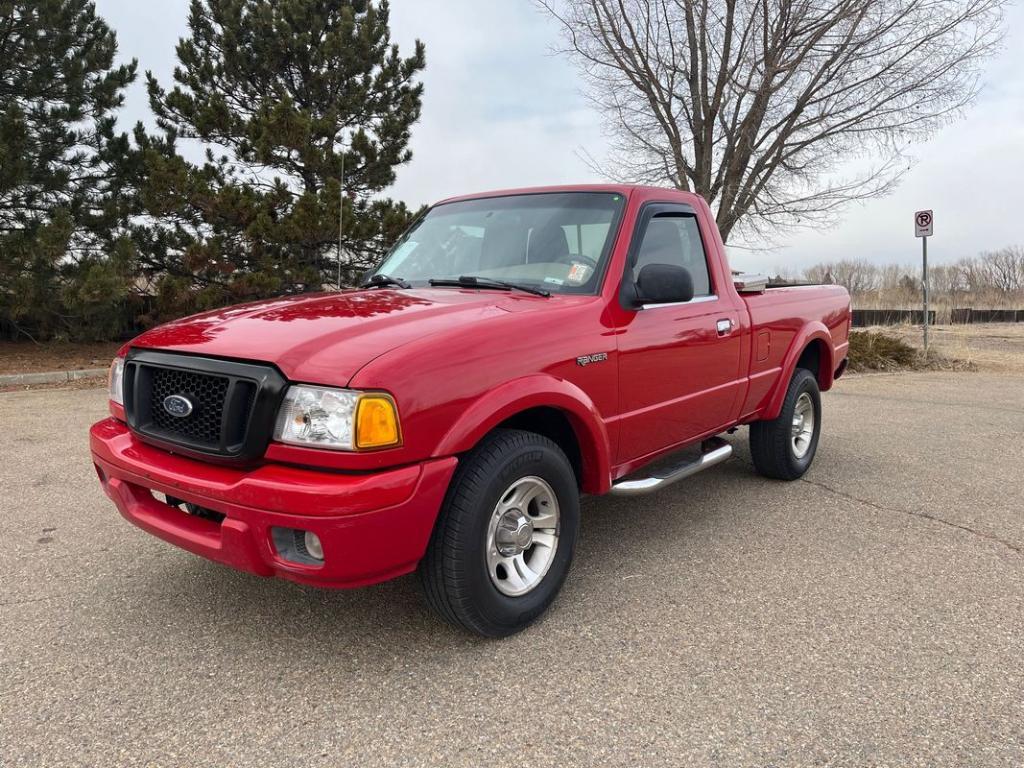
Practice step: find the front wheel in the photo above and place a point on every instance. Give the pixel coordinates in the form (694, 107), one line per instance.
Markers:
(784, 448)
(505, 537)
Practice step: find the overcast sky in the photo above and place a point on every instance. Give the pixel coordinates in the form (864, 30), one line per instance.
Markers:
(500, 110)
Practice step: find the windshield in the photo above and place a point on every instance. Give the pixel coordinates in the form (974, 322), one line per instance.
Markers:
(555, 241)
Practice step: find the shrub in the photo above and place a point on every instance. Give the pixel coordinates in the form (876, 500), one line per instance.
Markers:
(879, 351)
(875, 351)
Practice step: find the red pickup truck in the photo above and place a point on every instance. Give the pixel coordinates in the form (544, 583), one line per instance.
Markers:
(514, 350)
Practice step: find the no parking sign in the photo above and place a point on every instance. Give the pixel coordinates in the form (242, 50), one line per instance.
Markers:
(923, 221)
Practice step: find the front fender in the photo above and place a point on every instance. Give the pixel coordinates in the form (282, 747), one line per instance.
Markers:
(813, 331)
(536, 391)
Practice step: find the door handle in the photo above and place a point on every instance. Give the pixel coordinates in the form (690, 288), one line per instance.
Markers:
(724, 327)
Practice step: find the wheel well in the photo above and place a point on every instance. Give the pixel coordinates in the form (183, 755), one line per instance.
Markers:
(813, 357)
(554, 425)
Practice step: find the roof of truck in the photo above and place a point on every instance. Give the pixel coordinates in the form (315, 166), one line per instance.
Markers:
(622, 189)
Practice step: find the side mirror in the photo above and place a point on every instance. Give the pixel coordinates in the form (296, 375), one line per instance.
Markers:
(663, 284)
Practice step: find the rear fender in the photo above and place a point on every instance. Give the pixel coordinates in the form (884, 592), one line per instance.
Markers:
(519, 395)
(814, 331)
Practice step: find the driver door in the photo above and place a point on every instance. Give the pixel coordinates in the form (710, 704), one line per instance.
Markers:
(679, 363)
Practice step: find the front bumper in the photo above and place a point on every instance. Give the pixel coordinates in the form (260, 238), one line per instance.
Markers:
(372, 527)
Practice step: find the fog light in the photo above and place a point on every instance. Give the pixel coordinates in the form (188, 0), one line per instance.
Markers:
(298, 546)
(313, 546)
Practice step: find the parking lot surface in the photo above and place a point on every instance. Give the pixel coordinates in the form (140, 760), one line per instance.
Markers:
(868, 615)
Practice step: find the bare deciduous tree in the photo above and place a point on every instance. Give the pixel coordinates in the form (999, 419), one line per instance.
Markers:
(992, 280)
(857, 276)
(759, 105)
(1004, 269)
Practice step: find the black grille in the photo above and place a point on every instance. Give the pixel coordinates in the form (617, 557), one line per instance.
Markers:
(206, 393)
(233, 404)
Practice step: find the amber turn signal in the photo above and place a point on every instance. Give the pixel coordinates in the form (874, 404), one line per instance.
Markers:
(377, 422)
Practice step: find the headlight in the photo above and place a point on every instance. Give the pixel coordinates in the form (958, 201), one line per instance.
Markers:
(337, 418)
(115, 380)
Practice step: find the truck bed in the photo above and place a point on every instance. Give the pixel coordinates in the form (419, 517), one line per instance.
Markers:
(777, 315)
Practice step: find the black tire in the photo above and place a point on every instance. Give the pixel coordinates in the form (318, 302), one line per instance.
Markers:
(454, 571)
(771, 442)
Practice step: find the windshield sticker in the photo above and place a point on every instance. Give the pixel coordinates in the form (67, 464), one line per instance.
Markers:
(554, 280)
(578, 273)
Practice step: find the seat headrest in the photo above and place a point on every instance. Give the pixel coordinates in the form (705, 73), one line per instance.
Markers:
(548, 243)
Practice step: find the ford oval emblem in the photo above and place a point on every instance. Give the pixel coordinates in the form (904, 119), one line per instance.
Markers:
(178, 405)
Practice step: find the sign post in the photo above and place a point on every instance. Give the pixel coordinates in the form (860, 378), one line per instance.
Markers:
(923, 225)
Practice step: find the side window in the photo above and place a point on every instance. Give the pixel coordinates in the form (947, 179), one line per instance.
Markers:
(675, 240)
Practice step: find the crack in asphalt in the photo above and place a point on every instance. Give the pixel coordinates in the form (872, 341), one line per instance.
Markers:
(26, 601)
(911, 513)
(922, 401)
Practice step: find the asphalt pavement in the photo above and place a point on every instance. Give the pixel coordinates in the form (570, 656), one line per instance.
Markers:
(868, 615)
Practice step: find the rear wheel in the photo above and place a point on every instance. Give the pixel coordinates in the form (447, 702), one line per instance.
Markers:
(505, 537)
(783, 448)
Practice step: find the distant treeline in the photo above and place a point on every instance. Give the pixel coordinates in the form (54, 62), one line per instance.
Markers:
(987, 288)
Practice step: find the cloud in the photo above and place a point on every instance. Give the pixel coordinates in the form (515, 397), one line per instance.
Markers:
(148, 32)
(501, 111)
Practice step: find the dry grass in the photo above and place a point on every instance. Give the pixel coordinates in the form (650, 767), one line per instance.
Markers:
(994, 347)
(27, 357)
(90, 383)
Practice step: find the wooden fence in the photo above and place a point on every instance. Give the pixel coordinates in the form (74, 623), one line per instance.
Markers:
(863, 318)
(968, 315)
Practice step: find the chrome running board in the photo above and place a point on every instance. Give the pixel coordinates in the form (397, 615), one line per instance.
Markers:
(716, 450)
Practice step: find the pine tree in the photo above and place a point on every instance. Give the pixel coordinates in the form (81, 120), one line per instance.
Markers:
(279, 94)
(63, 270)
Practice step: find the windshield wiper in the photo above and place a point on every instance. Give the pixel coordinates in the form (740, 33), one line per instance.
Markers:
(471, 281)
(380, 281)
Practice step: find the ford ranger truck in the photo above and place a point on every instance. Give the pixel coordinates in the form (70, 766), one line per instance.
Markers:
(513, 351)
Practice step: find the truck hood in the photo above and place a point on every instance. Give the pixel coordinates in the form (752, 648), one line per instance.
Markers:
(326, 338)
